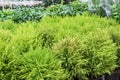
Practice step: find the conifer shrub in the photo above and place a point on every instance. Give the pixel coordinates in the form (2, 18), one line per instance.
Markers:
(69, 51)
(23, 39)
(8, 25)
(40, 64)
(46, 37)
(115, 36)
(76, 25)
(100, 53)
(5, 37)
(6, 66)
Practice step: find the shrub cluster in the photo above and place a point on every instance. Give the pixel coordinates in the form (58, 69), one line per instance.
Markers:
(115, 36)
(68, 48)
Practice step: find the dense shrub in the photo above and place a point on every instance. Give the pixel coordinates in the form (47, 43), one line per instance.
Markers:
(115, 36)
(5, 37)
(46, 37)
(8, 25)
(100, 53)
(23, 40)
(34, 65)
(69, 52)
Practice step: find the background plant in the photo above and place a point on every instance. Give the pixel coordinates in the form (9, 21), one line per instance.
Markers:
(36, 13)
(27, 14)
(116, 13)
(4, 15)
(71, 9)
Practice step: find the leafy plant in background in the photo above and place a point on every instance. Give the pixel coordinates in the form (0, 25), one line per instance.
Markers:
(78, 7)
(36, 13)
(4, 15)
(71, 9)
(54, 10)
(27, 14)
(52, 2)
(60, 10)
(96, 2)
(116, 12)
(103, 7)
(99, 7)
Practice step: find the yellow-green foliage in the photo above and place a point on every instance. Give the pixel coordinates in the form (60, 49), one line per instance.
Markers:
(5, 38)
(39, 64)
(22, 40)
(46, 37)
(69, 51)
(115, 36)
(75, 25)
(8, 24)
(86, 36)
(100, 53)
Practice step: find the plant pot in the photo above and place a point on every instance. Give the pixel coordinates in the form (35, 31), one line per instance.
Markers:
(113, 76)
(99, 78)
